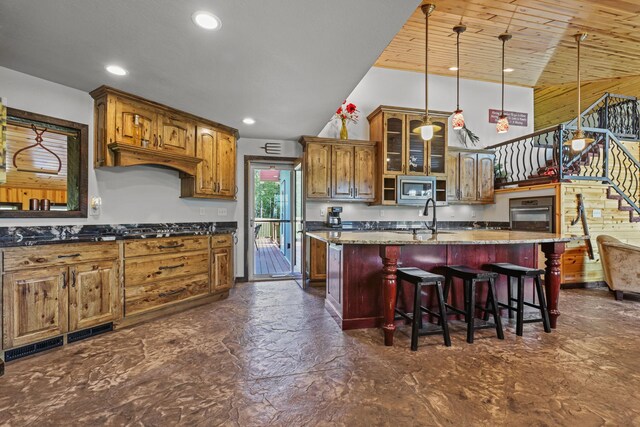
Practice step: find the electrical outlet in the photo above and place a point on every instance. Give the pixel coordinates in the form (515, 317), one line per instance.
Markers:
(202, 212)
(222, 211)
(473, 214)
(420, 212)
(597, 213)
(381, 213)
(322, 212)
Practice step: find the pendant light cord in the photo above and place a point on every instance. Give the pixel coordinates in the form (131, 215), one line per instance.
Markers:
(458, 71)
(579, 97)
(426, 66)
(503, 42)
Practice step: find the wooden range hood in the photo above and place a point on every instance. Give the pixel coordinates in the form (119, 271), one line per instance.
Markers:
(129, 155)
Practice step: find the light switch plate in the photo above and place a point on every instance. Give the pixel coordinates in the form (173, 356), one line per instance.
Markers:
(222, 211)
(597, 213)
(322, 212)
(95, 206)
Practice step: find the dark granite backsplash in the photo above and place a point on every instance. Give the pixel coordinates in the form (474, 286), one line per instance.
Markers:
(402, 225)
(29, 236)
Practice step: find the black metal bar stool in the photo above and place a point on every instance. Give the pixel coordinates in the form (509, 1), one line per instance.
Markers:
(420, 278)
(520, 273)
(470, 277)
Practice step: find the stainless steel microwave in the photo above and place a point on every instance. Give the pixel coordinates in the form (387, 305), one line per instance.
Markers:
(415, 190)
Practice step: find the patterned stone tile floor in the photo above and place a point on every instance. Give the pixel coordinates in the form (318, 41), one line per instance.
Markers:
(271, 355)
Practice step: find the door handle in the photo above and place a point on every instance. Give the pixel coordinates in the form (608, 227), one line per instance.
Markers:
(64, 280)
(356, 191)
(73, 278)
(171, 246)
(170, 267)
(69, 256)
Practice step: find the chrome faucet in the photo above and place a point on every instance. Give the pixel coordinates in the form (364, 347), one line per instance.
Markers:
(434, 221)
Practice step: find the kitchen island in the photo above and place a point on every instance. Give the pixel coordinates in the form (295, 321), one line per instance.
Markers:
(362, 265)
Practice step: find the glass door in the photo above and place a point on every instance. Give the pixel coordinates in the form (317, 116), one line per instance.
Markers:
(416, 154)
(394, 143)
(272, 250)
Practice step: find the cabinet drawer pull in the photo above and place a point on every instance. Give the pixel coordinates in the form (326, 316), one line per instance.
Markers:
(221, 241)
(166, 294)
(328, 191)
(171, 246)
(68, 256)
(170, 267)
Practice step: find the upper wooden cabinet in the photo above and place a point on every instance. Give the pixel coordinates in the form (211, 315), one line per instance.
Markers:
(339, 170)
(404, 152)
(470, 176)
(134, 131)
(215, 175)
(318, 170)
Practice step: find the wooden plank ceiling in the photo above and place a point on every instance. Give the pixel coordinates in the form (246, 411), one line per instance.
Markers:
(542, 50)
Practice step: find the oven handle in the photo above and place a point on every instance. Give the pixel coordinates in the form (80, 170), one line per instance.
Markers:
(530, 209)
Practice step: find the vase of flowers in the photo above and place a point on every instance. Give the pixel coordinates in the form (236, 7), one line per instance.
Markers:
(346, 113)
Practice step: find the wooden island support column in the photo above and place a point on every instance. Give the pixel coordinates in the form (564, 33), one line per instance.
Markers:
(362, 285)
(390, 256)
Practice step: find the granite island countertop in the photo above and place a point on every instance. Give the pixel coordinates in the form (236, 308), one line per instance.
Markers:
(448, 237)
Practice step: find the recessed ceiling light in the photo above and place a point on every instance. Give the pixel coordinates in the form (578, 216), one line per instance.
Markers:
(453, 68)
(117, 70)
(508, 70)
(206, 20)
(248, 121)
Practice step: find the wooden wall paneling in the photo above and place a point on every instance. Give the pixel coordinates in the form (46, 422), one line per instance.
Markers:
(576, 265)
(542, 48)
(555, 104)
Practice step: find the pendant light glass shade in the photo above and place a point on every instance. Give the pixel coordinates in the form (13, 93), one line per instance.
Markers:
(458, 118)
(579, 140)
(502, 126)
(426, 128)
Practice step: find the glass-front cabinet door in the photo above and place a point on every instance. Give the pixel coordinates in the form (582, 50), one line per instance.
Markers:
(438, 147)
(394, 144)
(416, 160)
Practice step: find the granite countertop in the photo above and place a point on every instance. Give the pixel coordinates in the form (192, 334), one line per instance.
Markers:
(47, 235)
(449, 237)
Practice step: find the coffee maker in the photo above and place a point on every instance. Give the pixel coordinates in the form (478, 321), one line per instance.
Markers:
(333, 216)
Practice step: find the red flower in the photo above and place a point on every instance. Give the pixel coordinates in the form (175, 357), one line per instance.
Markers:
(339, 111)
(350, 108)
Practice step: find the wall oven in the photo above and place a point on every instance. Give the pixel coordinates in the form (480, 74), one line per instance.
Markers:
(532, 214)
(415, 190)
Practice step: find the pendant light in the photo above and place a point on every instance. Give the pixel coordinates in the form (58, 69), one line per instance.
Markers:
(426, 128)
(579, 141)
(458, 118)
(503, 123)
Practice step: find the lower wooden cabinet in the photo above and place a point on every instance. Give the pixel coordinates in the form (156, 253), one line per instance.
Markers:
(317, 260)
(222, 276)
(34, 305)
(93, 294)
(48, 291)
(61, 295)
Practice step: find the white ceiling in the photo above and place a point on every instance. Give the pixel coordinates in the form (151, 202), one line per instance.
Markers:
(286, 63)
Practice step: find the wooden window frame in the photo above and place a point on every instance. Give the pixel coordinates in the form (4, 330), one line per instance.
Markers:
(83, 131)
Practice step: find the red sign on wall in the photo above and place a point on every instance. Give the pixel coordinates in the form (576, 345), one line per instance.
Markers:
(515, 118)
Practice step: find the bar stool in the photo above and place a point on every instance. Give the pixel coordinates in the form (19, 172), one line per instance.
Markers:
(470, 277)
(513, 271)
(419, 278)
